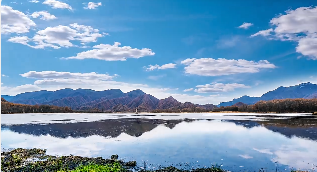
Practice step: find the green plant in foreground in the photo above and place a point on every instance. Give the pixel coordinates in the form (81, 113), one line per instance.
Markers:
(115, 167)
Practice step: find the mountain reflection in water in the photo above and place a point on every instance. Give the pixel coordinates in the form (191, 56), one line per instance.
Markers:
(111, 127)
(237, 144)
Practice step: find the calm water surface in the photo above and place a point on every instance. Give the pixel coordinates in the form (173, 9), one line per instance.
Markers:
(239, 142)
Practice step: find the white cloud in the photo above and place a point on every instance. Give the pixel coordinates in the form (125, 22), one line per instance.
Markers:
(302, 19)
(4, 75)
(245, 25)
(60, 36)
(5, 90)
(14, 21)
(19, 39)
(218, 67)
(218, 87)
(308, 47)
(246, 156)
(263, 33)
(265, 151)
(93, 5)
(165, 66)
(113, 52)
(57, 4)
(34, 1)
(296, 25)
(66, 75)
(45, 15)
(189, 89)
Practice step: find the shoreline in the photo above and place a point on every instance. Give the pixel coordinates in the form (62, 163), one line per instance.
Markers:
(20, 159)
(140, 113)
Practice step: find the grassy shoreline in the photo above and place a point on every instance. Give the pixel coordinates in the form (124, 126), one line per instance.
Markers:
(36, 160)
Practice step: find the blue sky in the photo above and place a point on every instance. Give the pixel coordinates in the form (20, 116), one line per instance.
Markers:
(197, 51)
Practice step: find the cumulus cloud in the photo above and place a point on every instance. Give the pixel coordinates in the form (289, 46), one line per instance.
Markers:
(218, 67)
(296, 25)
(189, 89)
(308, 47)
(4, 75)
(113, 52)
(93, 5)
(245, 25)
(302, 19)
(20, 39)
(165, 66)
(57, 4)
(14, 21)
(60, 36)
(66, 75)
(218, 87)
(45, 15)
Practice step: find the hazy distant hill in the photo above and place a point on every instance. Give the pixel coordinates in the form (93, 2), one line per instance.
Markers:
(304, 90)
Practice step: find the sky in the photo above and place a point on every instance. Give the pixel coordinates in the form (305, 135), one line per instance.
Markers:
(198, 51)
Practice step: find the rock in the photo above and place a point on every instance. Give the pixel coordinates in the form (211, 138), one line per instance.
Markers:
(130, 164)
(114, 157)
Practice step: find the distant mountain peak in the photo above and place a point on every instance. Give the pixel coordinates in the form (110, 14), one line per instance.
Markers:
(136, 91)
(303, 90)
(170, 97)
(307, 83)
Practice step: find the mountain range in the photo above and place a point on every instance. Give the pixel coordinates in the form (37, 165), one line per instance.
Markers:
(117, 101)
(303, 90)
(109, 100)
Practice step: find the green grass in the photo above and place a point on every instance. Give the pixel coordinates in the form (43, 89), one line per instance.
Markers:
(115, 167)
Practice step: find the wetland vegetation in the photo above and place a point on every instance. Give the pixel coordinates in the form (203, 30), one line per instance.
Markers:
(29, 160)
(37, 160)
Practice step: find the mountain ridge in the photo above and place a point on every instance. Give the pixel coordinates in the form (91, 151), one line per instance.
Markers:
(303, 90)
(116, 100)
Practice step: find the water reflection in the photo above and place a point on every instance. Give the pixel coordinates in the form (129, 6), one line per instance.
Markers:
(246, 145)
(107, 128)
(301, 127)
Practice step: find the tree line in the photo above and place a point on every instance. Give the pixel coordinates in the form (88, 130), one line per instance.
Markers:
(279, 106)
(8, 107)
(299, 105)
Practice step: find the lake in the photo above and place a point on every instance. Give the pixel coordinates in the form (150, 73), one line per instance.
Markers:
(237, 141)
